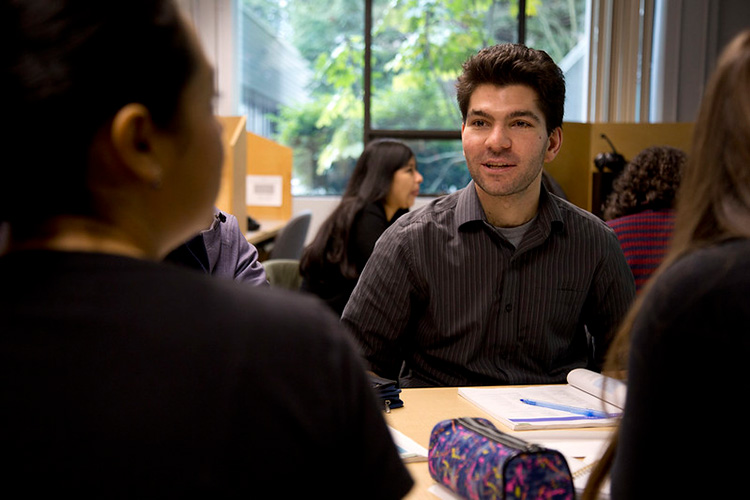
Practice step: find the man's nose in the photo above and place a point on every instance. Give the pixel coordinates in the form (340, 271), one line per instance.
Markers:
(498, 138)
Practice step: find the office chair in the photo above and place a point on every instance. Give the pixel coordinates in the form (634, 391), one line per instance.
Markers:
(283, 273)
(290, 241)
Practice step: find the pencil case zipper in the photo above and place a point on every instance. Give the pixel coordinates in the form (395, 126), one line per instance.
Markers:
(498, 436)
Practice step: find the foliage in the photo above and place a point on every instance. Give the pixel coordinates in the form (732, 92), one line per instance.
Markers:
(418, 47)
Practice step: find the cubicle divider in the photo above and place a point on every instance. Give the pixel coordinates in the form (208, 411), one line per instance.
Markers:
(269, 179)
(574, 166)
(231, 197)
(256, 178)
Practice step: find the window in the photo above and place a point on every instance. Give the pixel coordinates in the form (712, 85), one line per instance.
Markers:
(324, 76)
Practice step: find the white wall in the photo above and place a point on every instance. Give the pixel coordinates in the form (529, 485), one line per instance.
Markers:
(217, 26)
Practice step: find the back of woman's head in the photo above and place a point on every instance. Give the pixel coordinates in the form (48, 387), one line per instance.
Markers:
(373, 173)
(67, 67)
(714, 198)
(648, 182)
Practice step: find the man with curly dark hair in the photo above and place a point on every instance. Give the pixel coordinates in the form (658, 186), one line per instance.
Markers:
(640, 207)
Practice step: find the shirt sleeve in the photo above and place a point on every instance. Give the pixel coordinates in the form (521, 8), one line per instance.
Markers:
(247, 267)
(611, 297)
(379, 309)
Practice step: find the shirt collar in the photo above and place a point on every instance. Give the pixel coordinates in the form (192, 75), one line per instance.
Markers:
(469, 209)
(550, 214)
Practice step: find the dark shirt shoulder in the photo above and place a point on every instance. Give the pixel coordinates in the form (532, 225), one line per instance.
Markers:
(164, 380)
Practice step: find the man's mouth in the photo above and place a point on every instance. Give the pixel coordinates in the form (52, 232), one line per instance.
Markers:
(498, 165)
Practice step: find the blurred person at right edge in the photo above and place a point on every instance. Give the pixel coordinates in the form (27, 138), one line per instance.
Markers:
(684, 344)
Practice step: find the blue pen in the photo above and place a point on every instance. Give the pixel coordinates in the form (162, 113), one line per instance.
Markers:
(586, 412)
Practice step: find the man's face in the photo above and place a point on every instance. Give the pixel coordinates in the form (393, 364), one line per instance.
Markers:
(505, 140)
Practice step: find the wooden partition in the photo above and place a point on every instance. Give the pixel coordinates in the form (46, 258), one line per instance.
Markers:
(574, 166)
(269, 167)
(252, 162)
(231, 196)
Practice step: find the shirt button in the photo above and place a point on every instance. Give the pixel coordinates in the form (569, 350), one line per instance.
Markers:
(508, 307)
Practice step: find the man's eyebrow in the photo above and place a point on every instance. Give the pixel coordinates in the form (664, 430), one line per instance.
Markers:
(515, 114)
(479, 112)
(525, 114)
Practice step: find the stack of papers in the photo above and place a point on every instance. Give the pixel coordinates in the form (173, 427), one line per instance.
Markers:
(408, 449)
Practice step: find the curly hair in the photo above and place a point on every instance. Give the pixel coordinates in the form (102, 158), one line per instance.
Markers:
(648, 182)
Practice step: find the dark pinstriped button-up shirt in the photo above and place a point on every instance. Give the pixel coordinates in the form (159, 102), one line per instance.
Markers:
(446, 293)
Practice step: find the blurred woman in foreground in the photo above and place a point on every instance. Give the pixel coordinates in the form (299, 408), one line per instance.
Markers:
(686, 339)
(122, 375)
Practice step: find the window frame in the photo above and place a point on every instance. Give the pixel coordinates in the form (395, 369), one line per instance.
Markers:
(370, 133)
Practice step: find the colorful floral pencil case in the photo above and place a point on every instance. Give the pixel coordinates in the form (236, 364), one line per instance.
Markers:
(475, 460)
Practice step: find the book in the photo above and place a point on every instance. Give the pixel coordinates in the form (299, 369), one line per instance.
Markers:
(601, 397)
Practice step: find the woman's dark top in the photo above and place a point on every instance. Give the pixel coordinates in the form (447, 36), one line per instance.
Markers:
(125, 378)
(687, 378)
(327, 282)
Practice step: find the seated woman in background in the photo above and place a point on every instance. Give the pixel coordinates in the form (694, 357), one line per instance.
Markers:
(124, 376)
(383, 186)
(686, 338)
(640, 208)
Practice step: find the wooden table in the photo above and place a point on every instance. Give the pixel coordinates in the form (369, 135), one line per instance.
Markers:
(268, 230)
(425, 407)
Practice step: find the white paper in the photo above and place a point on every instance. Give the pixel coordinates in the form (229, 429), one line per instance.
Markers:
(408, 449)
(264, 190)
(581, 470)
(571, 443)
(443, 493)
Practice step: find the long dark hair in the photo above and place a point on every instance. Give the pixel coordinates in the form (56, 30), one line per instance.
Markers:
(370, 183)
(713, 202)
(67, 67)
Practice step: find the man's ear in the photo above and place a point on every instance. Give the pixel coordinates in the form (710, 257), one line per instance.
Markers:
(134, 140)
(554, 143)
(463, 127)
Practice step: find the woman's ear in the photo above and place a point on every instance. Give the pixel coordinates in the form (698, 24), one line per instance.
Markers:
(135, 141)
